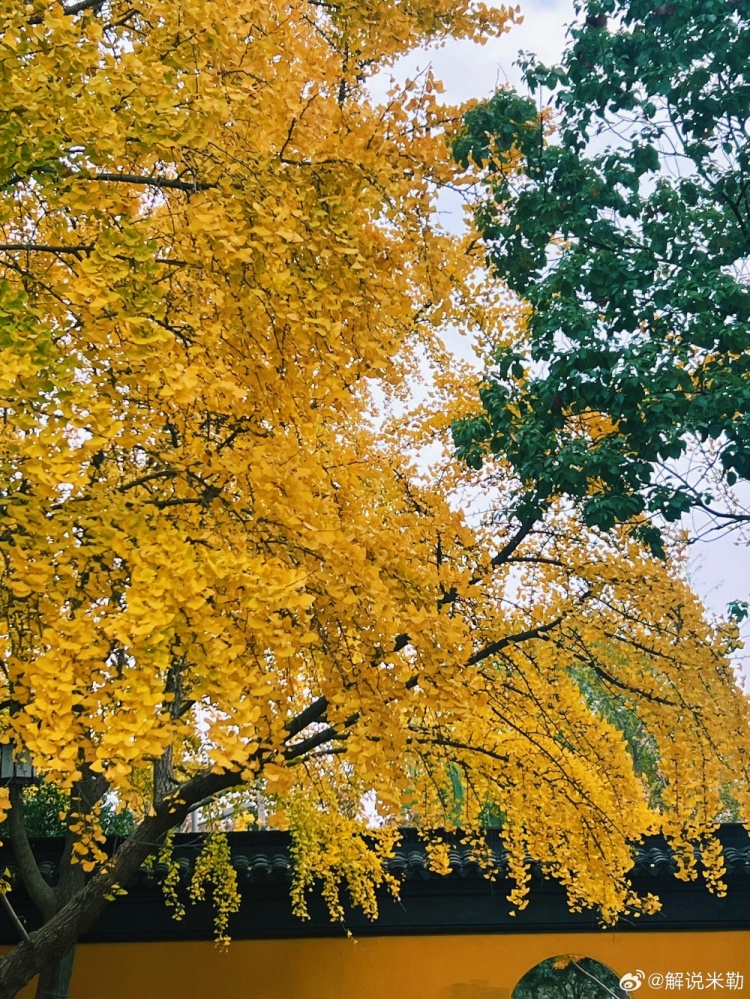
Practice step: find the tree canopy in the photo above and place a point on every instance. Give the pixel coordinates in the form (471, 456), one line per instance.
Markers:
(221, 569)
(569, 976)
(627, 232)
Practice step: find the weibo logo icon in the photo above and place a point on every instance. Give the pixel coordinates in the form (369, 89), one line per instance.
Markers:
(630, 982)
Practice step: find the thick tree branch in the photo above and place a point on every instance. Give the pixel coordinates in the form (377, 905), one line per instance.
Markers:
(438, 739)
(507, 550)
(87, 792)
(608, 678)
(83, 248)
(170, 183)
(522, 636)
(40, 893)
(177, 501)
(46, 248)
(164, 473)
(300, 749)
(535, 560)
(588, 659)
(49, 944)
(503, 557)
(78, 8)
(314, 712)
(164, 779)
(317, 710)
(330, 734)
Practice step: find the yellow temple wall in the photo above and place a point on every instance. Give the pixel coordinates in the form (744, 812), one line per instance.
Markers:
(472, 966)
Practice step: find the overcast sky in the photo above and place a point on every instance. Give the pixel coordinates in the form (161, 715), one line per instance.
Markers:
(468, 70)
(720, 569)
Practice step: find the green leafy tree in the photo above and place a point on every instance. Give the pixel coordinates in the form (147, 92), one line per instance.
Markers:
(569, 976)
(43, 804)
(624, 713)
(45, 808)
(627, 232)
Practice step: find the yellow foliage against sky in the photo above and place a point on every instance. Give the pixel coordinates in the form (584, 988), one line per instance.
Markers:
(216, 569)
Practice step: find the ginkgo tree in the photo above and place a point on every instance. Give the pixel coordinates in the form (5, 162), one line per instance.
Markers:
(218, 569)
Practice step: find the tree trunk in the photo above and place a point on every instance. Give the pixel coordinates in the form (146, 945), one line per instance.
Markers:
(54, 980)
(55, 942)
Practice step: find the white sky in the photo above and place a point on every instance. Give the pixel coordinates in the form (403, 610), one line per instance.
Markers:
(720, 569)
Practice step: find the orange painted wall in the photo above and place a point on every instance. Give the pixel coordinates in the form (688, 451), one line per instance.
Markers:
(428, 967)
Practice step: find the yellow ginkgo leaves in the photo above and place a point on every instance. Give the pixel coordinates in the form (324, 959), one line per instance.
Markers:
(218, 566)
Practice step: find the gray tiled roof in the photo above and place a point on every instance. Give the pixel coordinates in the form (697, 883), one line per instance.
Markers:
(269, 858)
(266, 856)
